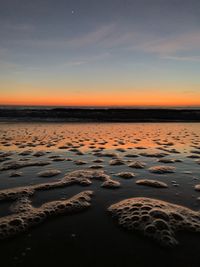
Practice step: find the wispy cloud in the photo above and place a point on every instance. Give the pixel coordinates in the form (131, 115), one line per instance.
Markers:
(93, 37)
(7, 25)
(168, 48)
(183, 58)
(182, 47)
(87, 60)
(87, 39)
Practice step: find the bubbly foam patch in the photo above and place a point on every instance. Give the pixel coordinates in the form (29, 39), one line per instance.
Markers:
(162, 169)
(14, 193)
(80, 177)
(49, 173)
(114, 162)
(85, 176)
(156, 219)
(154, 155)
(137, 164)
(152, 183)
(22, 204)
(126, 175)
(14, 165)
(25, 219)
(197, 187)
(164, 160)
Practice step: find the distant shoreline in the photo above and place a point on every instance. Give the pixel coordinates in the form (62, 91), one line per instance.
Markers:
(99, 115)
(46, 107)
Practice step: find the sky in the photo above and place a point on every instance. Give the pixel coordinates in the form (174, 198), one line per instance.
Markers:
(100, 52)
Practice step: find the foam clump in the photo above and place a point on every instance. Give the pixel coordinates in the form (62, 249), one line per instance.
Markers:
(117, 161)
(26, 152)
(22, 221)
(15, 174)
(39, 153)
(96, 166)
(14, 193)
(80, 162)
(80, 177)
(49, 173)
(197, 187)
(110, 184)
(162, 169)
(164, 160)
(14, 165)
(126, 175)
(137, 165)
(156, 219)
(154, 155)
(59, 159)
(152, 183)
(4, 156)
(98, 160)
(22, 204)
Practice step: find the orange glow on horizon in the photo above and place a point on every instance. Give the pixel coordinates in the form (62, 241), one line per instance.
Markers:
(101, 102)
(126, 97)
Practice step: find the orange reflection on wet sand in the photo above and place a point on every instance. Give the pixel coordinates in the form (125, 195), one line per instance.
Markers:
(48, 136)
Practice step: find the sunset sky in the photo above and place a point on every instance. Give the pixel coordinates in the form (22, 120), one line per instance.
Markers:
(100, 52)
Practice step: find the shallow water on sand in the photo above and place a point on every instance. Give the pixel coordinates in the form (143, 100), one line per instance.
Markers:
(92, 238)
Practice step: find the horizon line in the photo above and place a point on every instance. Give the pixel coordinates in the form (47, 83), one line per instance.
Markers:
(98, 106)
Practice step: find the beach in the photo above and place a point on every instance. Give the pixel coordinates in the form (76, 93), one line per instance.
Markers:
(108, 160)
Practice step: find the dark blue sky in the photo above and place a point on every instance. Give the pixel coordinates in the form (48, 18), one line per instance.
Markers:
(87, 46)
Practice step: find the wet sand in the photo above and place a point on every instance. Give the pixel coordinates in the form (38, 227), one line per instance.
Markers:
(92, 237)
